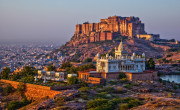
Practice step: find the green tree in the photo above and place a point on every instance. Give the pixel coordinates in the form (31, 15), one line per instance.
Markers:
(21, 88)
(72, 80)
(65, 65)
(51, 68)
(27, 79)
(5, 73)
(15, 77)
(14, 105)
(28, 71)
(88, 60)
(122, 75)
(150, 64)
(8, 89)
(72, 69)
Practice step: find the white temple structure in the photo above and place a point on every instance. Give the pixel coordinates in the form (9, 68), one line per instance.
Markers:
(121, 62)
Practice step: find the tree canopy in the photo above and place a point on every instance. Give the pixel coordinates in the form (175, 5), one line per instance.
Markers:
(150, 64)
(5, 73)
(51, 68)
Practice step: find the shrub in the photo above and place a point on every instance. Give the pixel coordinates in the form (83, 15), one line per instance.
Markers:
(119, 90)
(116, 100)
(5, 73)
(83, 96)
(124, 107)
(128, 86)
(72, 80)
(106, 89)
(122, 75)
(13, 105)
(84, 89)
(51, 68)
(21, 88)
(60, 101)
(100, 104)
(127, 99)
(169, 95)
(134, 103)
(28, 79)
(8, 89)
(123, 80)
(15, 77)
(83, 83)
(113, 82)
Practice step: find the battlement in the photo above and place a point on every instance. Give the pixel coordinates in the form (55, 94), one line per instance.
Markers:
(109, 29)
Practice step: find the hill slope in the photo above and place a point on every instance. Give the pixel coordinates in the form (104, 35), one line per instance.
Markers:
(89, 50)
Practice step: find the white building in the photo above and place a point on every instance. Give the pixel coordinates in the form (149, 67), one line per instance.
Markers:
(121, 62)
(51, 75)
(70, 75)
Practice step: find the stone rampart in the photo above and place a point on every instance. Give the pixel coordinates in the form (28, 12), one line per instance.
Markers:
(33, 91)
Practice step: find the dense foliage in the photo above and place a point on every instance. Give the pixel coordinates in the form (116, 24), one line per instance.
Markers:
(26, 75)
(21, 88)
(122, 75)
(8, 89)
(5, 73)
(87, 60)
(100, 104)
(51, 68)
(150, 64)
(13, 105)
(72, 80)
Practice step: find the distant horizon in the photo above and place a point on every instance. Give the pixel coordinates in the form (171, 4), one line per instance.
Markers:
(54, 21)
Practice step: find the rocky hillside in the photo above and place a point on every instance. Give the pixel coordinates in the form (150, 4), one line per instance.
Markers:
(89, 50)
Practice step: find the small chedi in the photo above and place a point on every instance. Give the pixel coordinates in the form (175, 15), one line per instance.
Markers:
(109, 67)
(111, 28)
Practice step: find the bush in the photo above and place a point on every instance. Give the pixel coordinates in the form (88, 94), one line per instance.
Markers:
(126, 99)
(134, 103)
(106, 89)
(169, 95)
(5, 73)
(124, 107)
(13, 105)
(51, 68)
(21, 88)
(116, 100)
(72, 80)
(8, 89)
(128, 86)
(15, 77)
(119, 90)
(27, 79)
(83, 96)
(113, 82)
(123, 80)
(100, 104)
(83, 83)
(84, 89)
(102, 95)
(60, 101)
(122, 75)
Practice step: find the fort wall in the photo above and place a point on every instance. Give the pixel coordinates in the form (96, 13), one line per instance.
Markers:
(33, 91)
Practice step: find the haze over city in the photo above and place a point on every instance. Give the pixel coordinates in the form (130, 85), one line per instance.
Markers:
(46, 20)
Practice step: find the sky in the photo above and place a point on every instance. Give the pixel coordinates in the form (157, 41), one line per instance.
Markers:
(55, 20)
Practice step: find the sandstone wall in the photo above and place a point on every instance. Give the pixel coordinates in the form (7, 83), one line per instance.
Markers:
(34, 92)
(126, 26)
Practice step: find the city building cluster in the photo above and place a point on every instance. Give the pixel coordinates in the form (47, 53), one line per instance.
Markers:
(18, 55)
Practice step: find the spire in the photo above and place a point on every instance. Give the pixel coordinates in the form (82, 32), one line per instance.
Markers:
(121, 47)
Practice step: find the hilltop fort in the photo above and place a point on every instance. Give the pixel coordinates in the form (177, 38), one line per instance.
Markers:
(110, 29)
